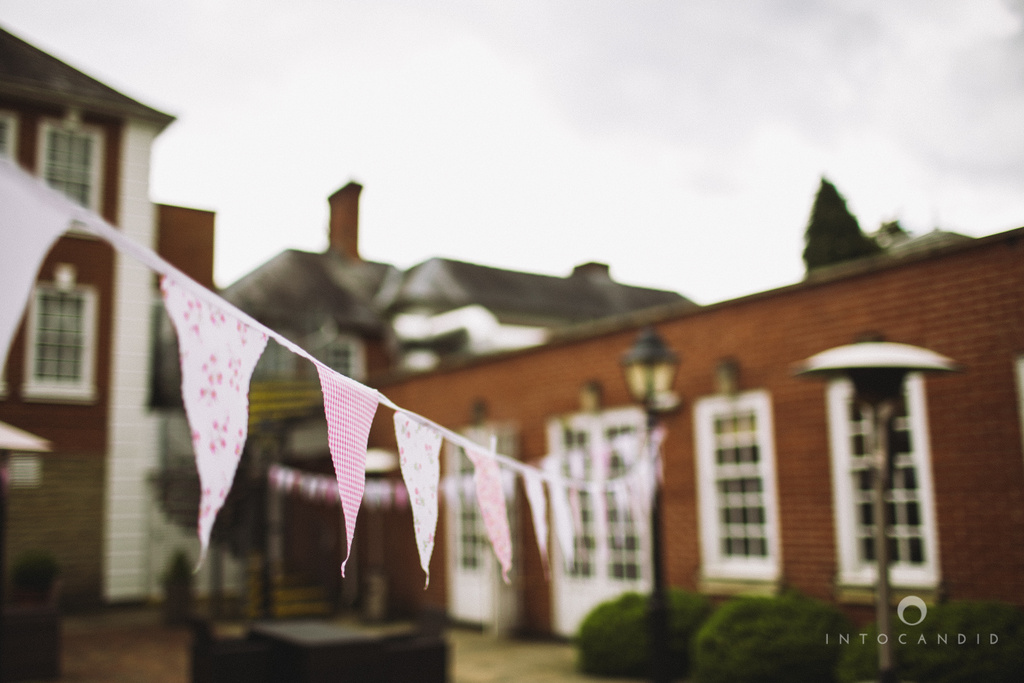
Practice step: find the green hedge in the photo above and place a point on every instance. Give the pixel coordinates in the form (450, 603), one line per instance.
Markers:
(965, 655)
(613, 638)
(769, 640)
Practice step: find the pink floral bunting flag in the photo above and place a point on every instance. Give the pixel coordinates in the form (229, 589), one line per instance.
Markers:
(491, 497)
(218, 355)
(419, 455)
(349, 407)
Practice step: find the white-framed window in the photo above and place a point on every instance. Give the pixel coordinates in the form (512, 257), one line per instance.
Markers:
(735, 462)
(71, 160)
(8, 134)
(913, 539)
(609, 542)
(476, 592)
(344, 353)
(60, 357)
(609, 524)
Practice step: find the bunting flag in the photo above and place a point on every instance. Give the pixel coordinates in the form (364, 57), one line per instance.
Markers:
(491, 498)
(379, 494)
(218, 354)
(30, 222)
(219, 347)
(561, 513)
(534, 486)
(349, 408)
(419, 455)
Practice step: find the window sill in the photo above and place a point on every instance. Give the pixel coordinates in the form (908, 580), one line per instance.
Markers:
(865, 595)
(48, 394)
(720, 586)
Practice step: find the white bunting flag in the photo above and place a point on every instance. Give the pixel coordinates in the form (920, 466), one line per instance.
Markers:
(419, 455)
(561, 513)
(534, 486)
(218, 354)
(32, 217)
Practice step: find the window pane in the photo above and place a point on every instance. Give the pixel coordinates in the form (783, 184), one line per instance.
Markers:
(69, 158)
(60, 336)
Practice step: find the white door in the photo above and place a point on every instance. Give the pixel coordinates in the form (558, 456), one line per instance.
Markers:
(611, 546)
(476, 591)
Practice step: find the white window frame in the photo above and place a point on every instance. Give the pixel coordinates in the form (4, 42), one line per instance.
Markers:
(71, 125)
(574, 591)
(716, 565)
(852, 570)
(10, 138)
(476, 590)
(82, 390)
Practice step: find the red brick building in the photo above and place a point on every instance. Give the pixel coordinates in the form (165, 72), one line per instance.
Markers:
(764, 485)
(78, 370)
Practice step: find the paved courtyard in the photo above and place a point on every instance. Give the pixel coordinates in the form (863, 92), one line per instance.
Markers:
(133, 646)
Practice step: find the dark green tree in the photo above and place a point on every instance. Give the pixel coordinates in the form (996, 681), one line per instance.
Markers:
(833, 234)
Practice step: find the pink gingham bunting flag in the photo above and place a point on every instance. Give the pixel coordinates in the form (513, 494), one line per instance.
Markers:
(218, 354)
(419, 454)
(349, 408)
(491, 498)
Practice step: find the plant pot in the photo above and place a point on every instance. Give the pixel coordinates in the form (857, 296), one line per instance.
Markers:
(177, 604)
(31, 643)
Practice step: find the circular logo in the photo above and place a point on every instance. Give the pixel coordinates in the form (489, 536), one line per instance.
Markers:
(912, 601)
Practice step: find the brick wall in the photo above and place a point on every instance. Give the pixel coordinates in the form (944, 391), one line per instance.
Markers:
(63, 515)
(964, 302)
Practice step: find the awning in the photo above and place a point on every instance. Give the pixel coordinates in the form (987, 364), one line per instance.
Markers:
(14, 439)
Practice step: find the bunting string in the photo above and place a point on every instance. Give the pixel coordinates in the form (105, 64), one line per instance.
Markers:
(220, 345)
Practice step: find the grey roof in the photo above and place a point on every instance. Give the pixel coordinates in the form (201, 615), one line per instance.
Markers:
(929, 241)
(296, 292)
(441, 284)
(28, 73)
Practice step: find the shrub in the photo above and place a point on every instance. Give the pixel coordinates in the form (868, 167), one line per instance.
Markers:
(35, 571)
(613, 638)
(769, 640)
(931, 652)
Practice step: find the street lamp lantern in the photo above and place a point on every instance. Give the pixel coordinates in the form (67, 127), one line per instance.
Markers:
(877, 371)
(650, 370)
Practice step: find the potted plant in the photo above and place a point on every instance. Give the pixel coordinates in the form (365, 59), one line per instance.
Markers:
(32, 623)
(178, 589)
(34, 578)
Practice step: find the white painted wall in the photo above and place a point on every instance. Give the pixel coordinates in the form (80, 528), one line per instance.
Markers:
(132, 448)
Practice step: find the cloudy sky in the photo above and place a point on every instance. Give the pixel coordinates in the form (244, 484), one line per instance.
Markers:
(680, 142)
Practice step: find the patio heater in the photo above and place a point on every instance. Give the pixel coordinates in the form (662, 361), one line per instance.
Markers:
(877, 371)
(650, 370)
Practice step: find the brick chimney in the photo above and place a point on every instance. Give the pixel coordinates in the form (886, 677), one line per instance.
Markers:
(593, 271)
(343, 229)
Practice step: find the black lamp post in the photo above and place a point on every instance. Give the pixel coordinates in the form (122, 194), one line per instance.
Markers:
(877, 370)
(650, 370)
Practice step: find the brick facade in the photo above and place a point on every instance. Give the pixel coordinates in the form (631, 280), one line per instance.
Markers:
(966, 302)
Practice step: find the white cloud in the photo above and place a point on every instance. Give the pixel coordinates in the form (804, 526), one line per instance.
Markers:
(680, 142)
